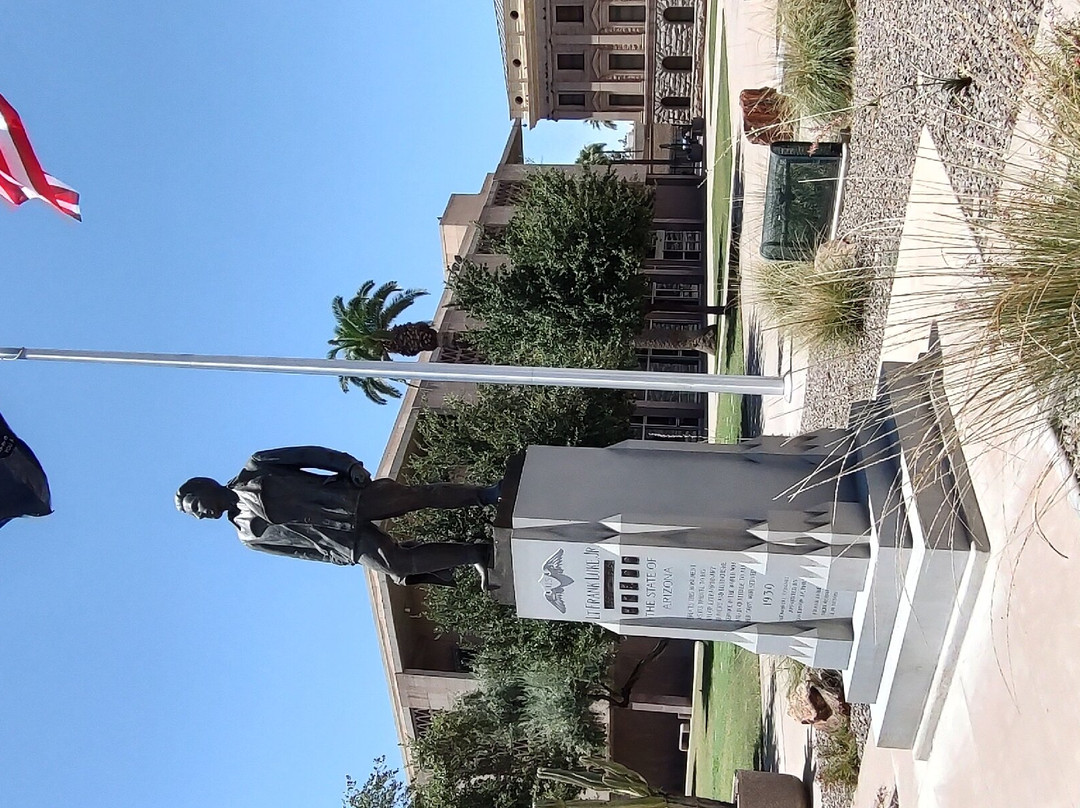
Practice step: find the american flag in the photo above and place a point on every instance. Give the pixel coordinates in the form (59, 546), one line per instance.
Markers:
(21, 175)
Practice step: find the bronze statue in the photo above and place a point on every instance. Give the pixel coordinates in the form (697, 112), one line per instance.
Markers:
(278, 506)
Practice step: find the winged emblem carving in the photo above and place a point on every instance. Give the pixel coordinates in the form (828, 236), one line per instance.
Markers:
(555, 581)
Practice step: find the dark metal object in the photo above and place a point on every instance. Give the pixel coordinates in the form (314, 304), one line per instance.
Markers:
(279, 506)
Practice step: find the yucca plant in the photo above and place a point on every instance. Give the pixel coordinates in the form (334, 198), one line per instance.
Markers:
(365, 331)
(628, 789)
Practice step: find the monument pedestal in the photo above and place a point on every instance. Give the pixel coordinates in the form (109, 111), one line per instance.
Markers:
(928, 554)
(857, 549)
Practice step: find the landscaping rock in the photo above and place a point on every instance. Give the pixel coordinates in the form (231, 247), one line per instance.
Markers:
(808, 706)
(818, 700)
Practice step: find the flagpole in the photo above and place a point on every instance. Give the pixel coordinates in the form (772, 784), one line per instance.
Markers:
(429, 371)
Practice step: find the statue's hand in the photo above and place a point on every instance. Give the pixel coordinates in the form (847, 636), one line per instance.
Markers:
(359, 475)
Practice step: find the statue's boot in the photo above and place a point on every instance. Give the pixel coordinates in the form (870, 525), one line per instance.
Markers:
(491, 495)
(430, 579)
(484, 568)
(437, 559)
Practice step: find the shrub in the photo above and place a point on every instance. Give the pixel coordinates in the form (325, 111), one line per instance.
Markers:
(821, 303)
(838, 758)
(818, 44)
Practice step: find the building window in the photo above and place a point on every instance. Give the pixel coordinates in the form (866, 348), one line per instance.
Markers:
(626, 100)
(570, 61)
(459, 353)
(570, 13)
(507, 192)
(667, 427)
(625, 61)
(668, 360)
(675, 102)
(662, 290)
(679, 13)
(634, 13)
(464, 659)
(421, 721)
(678, 62)
(571, 99)
(491, 237)
(681, 245)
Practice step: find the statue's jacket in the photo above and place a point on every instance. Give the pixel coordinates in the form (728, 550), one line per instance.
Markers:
(289, 511)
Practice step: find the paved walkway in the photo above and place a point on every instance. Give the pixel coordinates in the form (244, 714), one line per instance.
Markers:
(749, 33)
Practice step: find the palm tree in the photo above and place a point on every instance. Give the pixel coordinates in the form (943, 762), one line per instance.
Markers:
(593, 154)
(627, 787)
(365, 331)
(690, 338)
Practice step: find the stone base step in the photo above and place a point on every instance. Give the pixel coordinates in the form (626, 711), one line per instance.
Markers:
(934, 609)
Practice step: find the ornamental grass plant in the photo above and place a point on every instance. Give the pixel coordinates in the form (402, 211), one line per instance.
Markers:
(820, 303)
(817, 42)
(1031, 296)
(1014, 321)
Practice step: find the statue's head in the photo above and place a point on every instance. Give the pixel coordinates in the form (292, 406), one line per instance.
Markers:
(204, 498)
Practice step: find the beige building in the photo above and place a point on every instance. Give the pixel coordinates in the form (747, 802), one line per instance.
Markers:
(425, 672)
(605, 60)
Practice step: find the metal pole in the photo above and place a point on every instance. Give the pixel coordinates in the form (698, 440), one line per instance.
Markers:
(431, 371)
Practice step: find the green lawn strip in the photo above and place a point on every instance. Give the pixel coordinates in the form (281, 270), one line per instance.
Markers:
(732, 718)
(721, 170)
(721, 157)
(732, 361)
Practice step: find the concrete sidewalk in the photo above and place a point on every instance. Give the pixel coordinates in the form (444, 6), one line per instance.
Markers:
(749, 32)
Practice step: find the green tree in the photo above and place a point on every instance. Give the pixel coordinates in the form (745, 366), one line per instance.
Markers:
(485, 751)
(581, 223)
(576, 244)
(573, 294)
(365, 331)
(471, 440)
(382, 789)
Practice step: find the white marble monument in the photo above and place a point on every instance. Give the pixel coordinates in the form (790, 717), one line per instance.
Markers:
(856, 549)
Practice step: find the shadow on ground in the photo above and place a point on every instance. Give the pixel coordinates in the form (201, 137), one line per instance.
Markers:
(766, 757)
(752, 417)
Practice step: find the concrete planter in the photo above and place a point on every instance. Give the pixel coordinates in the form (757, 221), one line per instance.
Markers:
(769, 790)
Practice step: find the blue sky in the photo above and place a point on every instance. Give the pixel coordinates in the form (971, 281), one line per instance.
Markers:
(240, 163)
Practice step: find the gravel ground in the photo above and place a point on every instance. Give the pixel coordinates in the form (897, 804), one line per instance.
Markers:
(832, 797)
(903, 47)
